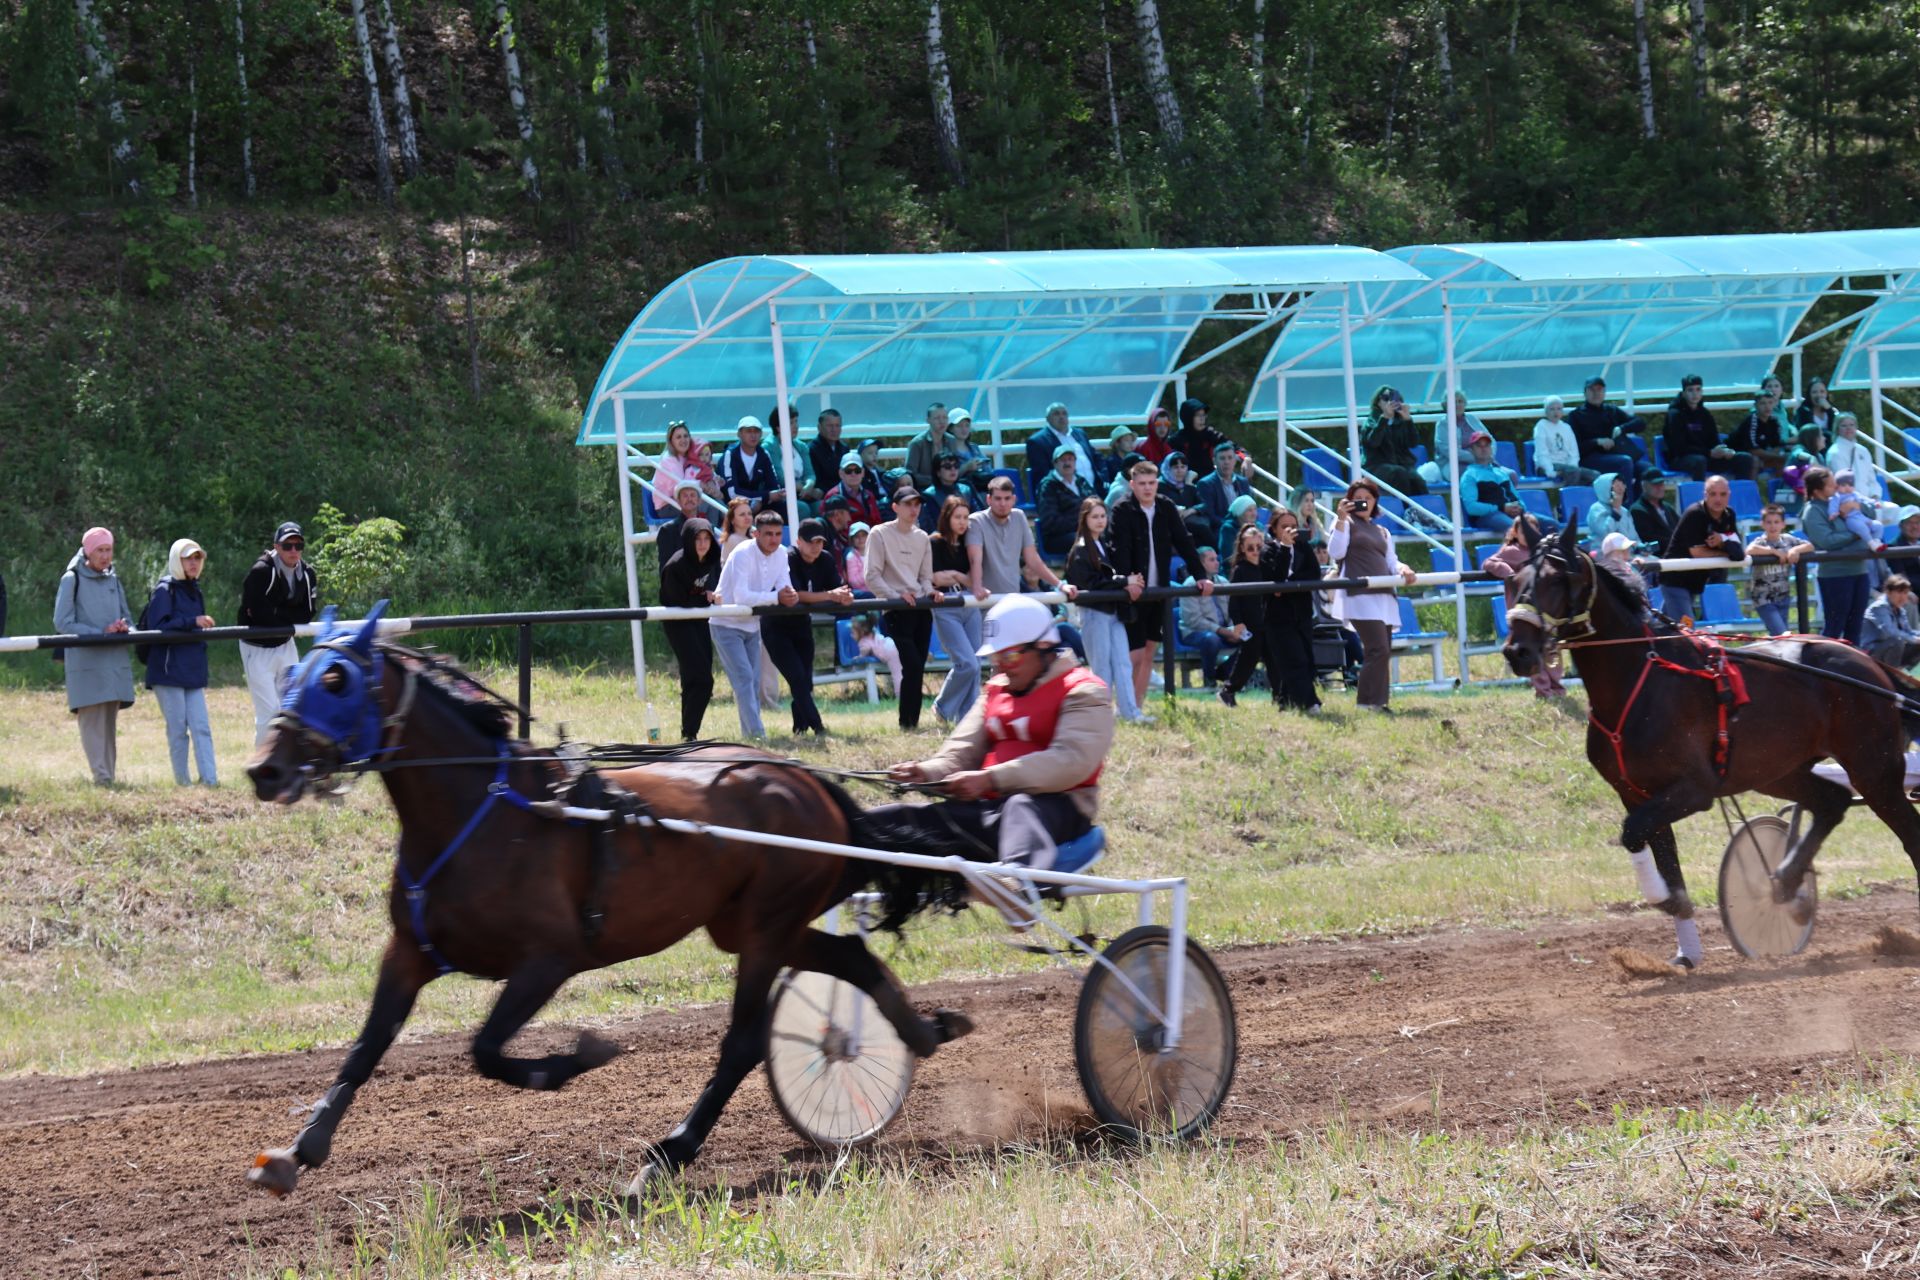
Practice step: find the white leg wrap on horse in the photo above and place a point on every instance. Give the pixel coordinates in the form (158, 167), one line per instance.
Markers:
(1687, 934)
(1653, 885)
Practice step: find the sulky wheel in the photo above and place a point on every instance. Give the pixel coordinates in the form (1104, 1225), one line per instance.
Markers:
(1757, 923)
(838, 1071)
(1133, 1081)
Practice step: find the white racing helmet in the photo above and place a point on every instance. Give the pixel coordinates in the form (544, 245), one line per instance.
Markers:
(1015, 621)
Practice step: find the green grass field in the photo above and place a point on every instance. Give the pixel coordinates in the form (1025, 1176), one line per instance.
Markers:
(149, 924)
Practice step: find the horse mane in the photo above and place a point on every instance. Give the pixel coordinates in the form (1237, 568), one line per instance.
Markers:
(441, 680)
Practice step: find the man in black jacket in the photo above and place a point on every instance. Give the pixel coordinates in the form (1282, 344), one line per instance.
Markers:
(1196, 439)
(281, 590)
(1653, 521)
(1146, 534)
(1708, 531)
(1606, 433)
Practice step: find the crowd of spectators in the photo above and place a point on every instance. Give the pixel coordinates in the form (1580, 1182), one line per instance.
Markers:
(1169, 505)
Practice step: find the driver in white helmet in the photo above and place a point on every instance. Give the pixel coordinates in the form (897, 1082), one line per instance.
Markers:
(1022, 769)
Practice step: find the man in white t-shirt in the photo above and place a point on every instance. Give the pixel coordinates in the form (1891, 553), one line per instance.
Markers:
(756, 572)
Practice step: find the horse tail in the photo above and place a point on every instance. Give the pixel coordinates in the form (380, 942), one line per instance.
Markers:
(904, 891)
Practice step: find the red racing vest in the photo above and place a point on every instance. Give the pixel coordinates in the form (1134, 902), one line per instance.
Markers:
(1021, 724)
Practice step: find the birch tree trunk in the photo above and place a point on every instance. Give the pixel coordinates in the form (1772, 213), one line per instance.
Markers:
(946, 126)
(193, 134)
(820, 98)
(1306, 105)
(1153, 52)
(1513, 31)
(1699, 14)
(1260, 52)
(517, 94)
(1445, 53)
(376, 114)
(246, 107)
(700, 108)
(602, 83)
(93, 44)
(1646, 68)
(1113, 102)
(402, 100)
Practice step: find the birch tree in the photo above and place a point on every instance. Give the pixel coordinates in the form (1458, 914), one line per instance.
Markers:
(1646, 69)
(946, 125)
(819, 95)
(517, 95)
(1699, 15)
(1260, 52)
(402, 99)
(699, 105)
(1153, 52)
(1113, 102)
(93, 46)
(246, 105)
(603, 110)
(193, 134)
(1443, 48)
(376, 114)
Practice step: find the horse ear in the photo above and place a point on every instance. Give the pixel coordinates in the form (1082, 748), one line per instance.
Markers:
(327, 628)
(1569, 542)
(362, 641)
(1530, 533)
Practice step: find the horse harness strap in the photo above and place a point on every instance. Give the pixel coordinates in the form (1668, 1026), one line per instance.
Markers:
(497, 790)
(1730, 694)
(623, 807)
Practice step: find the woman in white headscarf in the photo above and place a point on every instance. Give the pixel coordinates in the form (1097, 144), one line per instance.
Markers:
(177, 673)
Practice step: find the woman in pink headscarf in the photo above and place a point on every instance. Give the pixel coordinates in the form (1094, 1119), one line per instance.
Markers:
(684, 458)
(91, 602)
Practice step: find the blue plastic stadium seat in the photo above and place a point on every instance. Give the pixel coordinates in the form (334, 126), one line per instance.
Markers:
(935, 651)
(1746, 500)
(1435, 503)
(1660, 452)
(1485, 552)
(1443, 561)
(1575, 501)
(1012, 473)
(1720, 603)
(1533, 462)
(1691, 491)
(1393, 506)
(1419, 454)
(649, 512)
(1080, 852)
(1324, 469)
(1508, 455)
(846, 650)
(1410, 623)
(1535, 500)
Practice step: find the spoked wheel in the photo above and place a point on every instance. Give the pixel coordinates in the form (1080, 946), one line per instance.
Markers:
(1757, 924)
(838, 1071)
(1133, 1081)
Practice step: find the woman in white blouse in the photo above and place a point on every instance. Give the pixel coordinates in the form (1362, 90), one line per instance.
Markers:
(1363, 549)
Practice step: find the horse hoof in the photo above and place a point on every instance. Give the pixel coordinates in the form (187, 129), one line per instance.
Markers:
(952, 1023)
(1800, 907)
(652, 1176)
(1680, 961)
(595, 1051)
(275, 1172)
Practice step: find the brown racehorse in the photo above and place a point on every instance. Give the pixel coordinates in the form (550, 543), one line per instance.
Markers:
(1654, 731)
(487, 887)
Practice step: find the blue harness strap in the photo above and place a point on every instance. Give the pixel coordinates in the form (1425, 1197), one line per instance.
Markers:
(417, 888)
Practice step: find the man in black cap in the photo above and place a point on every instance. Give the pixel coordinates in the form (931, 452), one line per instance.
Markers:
(815, 575)
(1606, 433)
(281, 590)
(1653, 521)
(837, 512)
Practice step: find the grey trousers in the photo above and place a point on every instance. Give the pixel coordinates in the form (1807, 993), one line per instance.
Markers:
(1376, 667)
(99, 738)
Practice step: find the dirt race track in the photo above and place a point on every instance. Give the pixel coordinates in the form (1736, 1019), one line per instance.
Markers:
(140, 1174)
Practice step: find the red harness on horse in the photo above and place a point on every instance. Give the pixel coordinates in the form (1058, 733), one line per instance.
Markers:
(1730, 693)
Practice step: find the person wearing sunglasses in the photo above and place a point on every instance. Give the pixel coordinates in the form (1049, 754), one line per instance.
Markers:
(280, 590)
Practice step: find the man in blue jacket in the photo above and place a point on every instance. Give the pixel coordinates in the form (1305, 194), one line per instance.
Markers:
(1488, 496)
(1223, 485)
(1042, 443)
(746, 470)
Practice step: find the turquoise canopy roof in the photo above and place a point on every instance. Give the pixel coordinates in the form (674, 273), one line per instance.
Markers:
(1537, 319)
(881, 336)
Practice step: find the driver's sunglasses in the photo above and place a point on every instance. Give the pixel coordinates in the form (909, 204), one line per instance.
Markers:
(294, 544)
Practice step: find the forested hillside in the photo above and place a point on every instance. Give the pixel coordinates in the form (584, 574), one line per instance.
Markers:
(264, 254)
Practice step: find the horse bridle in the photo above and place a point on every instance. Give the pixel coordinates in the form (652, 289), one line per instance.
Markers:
(329, 749)
(1527, 609)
